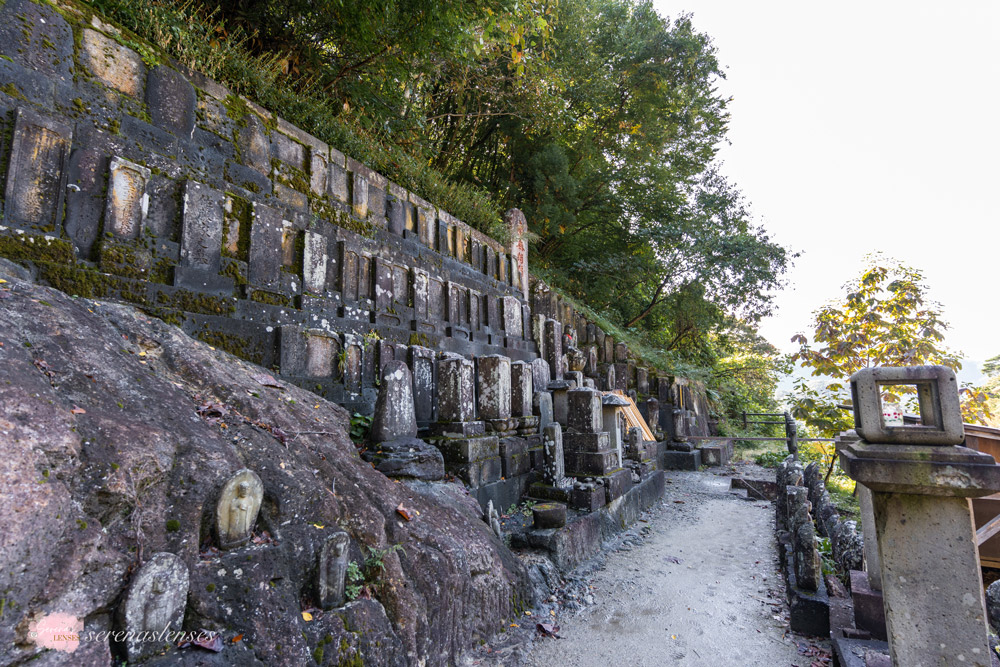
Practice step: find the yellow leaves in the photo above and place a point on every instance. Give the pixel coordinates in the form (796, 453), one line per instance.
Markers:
(306, 616)
(319, 526)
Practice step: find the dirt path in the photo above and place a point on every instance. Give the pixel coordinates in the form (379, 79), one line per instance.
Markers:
(696, 583)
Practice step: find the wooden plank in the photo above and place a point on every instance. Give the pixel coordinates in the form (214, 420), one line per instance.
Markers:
(988, 530)
(633, 418)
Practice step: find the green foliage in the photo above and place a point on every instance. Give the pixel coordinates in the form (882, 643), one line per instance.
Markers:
(825, 550)
(360, 425)
(770, 459)
(354, 582)
(365, 579)
(885, 319)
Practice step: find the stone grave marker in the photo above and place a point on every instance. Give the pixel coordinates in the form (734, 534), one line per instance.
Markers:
(155, 603)
(333, 570)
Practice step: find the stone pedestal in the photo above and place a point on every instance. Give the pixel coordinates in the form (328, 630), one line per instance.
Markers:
(873, 565)
(933, 593)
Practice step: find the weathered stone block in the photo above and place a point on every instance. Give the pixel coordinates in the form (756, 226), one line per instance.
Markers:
(455, 395)
(253, 144)
(114, 65)
(617, 483)
(171, 101)
(869, 612)
(588, 499)
(478, 473)
(494, 387)
(127, 202)
(514, 456)
(521, 392)
(553, 348)
(675, 460)
(394, 413)
(266, 246)
(337, 183)
(716, 453)
(315, 258)
(468, 450)
(359, 195)
(582, 463)
(37, 172)
(35, 36)
(308, 352)
(421, 361)
(548, 515)
(584, 410)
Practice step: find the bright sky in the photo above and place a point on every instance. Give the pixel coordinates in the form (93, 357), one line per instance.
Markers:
(861, 126)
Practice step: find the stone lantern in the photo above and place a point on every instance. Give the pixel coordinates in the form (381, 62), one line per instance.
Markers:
(922, 480)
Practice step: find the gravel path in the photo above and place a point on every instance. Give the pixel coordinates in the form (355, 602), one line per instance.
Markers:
(694, 583)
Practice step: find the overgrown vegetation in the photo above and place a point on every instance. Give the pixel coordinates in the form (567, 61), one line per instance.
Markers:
(364, 580)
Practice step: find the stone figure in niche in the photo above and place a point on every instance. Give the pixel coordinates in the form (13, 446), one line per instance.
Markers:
(333, 570)
(155, 603)
(237, 510)
(493, 518)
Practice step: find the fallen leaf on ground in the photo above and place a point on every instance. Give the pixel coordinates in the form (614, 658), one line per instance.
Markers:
(306, 616)
(78, 411)
(404, 512)
(548, 629)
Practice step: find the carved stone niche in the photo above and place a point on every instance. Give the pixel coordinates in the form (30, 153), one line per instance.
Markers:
(333, 570)
(236, 512)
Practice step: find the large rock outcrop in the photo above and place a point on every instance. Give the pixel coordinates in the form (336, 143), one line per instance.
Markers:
(117, 432)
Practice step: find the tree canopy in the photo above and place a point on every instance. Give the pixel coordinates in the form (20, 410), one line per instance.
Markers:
(885, 319)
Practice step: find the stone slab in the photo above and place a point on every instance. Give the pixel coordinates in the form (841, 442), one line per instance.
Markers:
(716, 453)
(468, 450)
(681, 460)
(869, 613)
(809, 611)
(478, 473)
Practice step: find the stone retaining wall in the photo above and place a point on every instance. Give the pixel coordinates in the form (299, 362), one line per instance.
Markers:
(130, 178)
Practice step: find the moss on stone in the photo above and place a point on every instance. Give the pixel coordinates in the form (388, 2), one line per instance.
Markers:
(13, 91)
(238, 346)
(234, 270)
(237, 109)
(270, 298)
(36, 248)
(173, 525)
(84, 282)
(194, 302)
